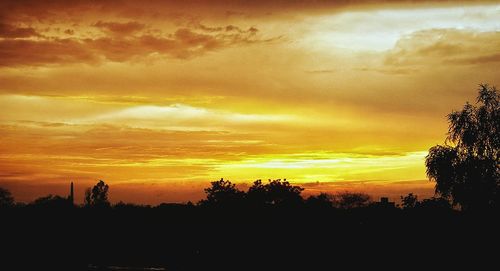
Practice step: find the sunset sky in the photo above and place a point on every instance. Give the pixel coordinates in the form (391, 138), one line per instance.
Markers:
(158, 98)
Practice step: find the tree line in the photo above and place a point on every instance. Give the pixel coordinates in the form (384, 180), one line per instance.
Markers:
(225, 194)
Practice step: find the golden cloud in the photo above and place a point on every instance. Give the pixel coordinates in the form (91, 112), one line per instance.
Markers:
(120, 28)
(445, 47)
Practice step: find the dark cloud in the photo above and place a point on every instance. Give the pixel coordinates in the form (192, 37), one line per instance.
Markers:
(128, 33)
(129, 28)
(120, 28)
(42, 10)
(183, 43)
(11, 31)
(54, 51)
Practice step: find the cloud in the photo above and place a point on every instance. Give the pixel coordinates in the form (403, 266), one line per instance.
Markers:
(120, 28)
(60, 32)
(131, 8)
(58, 112)
(445, 47)
(20, 52)
(184, 117)
(128, 30)
(183, 43)
(10, 31)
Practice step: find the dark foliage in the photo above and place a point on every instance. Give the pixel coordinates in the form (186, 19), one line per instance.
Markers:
(275, 192)
(223, 193)
(349, 200)
(409, 201)
(6, 199)
(321, 201)
(467, 168)
(97, 196)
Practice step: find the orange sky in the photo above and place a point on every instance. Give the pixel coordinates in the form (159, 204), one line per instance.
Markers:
(158, 98)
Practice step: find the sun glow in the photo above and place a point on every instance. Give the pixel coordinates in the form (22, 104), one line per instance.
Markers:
(380, 30)
(330, 166)
(163, 96)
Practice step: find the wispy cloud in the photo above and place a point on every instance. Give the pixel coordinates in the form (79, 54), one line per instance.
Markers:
(179, 116)
(445, 47)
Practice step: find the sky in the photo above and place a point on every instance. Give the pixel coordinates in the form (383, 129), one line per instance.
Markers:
(158, 98)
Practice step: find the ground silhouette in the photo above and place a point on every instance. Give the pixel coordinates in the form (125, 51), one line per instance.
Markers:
(273, 229)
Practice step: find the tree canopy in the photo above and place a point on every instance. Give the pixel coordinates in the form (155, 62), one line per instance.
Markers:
(222, 192)
(466, 168)
(409, 201)
(350, 200)
(97, 196)
(275, 192)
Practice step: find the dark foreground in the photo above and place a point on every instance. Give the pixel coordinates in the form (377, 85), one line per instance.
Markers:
(180, 237)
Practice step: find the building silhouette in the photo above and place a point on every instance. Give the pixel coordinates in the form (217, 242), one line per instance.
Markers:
(384, 202)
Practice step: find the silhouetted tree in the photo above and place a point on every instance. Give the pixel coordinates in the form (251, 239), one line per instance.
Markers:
(257, 194)
(409, 201)
(275, 192)
(467, 168)
(87, 198)
(350, 200)
(97, 196)
(323, 200)
(6, 199)
(282, 192)
(223, 192)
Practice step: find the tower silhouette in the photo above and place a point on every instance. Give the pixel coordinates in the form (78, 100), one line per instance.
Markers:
(71, 194)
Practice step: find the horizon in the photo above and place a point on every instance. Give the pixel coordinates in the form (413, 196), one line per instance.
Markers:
(159, 99)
